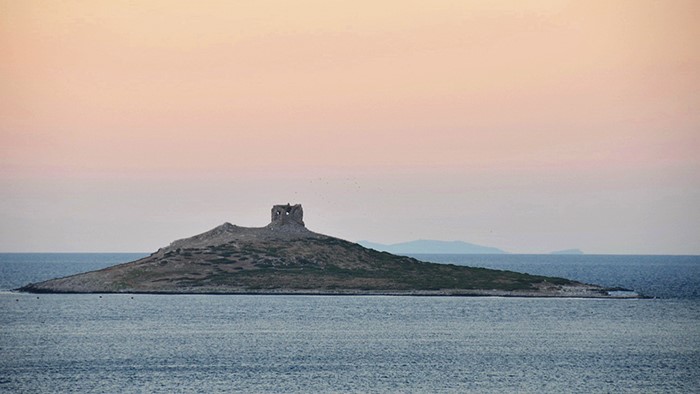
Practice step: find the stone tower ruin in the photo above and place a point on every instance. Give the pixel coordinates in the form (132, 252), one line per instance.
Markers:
(287, 214)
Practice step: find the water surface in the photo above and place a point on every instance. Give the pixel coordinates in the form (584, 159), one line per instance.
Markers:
(248, 344)
(187, 343)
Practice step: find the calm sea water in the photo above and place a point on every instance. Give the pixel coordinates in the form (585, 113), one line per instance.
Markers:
(159, 343)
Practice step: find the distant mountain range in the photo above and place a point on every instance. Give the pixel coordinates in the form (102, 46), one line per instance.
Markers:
(568, 251)
(432, 246)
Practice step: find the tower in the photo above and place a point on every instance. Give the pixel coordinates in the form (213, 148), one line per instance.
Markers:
(287, 215)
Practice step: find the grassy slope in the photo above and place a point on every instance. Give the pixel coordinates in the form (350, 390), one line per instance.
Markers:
(309, 264)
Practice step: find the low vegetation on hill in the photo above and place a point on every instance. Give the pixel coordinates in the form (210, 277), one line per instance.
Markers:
(285, 257)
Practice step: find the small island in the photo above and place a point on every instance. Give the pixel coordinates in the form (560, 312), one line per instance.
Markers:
(285, 257)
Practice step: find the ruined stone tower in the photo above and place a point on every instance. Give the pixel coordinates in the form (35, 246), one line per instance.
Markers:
(287, 215)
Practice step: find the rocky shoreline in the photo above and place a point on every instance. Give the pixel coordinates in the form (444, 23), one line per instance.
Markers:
(577, 291)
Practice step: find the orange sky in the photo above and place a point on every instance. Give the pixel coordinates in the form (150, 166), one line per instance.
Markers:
(518, 96)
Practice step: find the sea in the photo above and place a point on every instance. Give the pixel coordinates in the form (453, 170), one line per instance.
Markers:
(135, 343)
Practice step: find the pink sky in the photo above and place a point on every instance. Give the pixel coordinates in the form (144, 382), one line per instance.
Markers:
(526, 125)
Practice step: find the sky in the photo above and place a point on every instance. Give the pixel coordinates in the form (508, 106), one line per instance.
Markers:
(531, 126)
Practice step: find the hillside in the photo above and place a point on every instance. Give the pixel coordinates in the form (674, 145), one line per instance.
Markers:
(285, 257)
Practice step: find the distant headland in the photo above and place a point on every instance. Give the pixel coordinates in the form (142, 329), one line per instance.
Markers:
(432, 246)
(284, 257)
(568, 251)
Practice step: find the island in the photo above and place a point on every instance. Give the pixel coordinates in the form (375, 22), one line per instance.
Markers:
(430, 246)
(285, 257)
